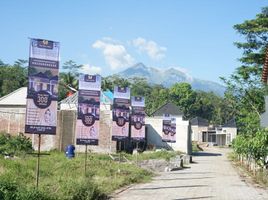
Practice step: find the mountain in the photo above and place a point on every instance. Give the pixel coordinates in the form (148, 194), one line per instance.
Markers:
(169, 77)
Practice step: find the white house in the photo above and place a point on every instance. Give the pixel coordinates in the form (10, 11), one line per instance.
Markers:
(154, 129)
(216, 135)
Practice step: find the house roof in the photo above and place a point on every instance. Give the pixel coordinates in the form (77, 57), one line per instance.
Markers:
(199, 121)
(168, 108)
(106, 97)
(265, 68)
(231, 123)
(15, 98)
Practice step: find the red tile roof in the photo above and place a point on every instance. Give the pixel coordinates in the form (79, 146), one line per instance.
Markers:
(265, 68)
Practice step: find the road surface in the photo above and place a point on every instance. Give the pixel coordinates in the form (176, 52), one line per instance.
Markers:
(212, 176)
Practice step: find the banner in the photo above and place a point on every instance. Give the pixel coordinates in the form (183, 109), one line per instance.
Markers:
(88, 114)
(42, 95)
(173, 130)
(138, 119)
(166, 128)
(120, 124)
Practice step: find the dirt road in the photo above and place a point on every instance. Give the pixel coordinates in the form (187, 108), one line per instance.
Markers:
(211, 177)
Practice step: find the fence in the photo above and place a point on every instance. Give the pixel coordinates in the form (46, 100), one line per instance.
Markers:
(12, 121)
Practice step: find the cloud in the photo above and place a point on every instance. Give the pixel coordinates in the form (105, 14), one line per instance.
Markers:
(89, 69)
(115, 54)
(153, 50)
(186, 72)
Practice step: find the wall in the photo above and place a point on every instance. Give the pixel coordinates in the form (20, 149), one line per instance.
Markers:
(230, 130)
(264, 116)
(183, 134)
(12, 119)
(66, 134)
(197, 132)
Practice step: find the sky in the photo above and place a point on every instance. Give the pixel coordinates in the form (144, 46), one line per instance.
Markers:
(108, 36)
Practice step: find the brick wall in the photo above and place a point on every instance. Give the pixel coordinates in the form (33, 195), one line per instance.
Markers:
(12, 120)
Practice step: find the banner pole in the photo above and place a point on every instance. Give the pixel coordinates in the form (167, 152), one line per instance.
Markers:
(86, 160)
(120, 149)
(137, 147)
(38, 161)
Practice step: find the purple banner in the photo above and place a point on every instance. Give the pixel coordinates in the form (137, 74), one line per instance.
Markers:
(166, 128)
(173, 130)
(42, 95)
(137, 119)
(121, 113)
(87, 125)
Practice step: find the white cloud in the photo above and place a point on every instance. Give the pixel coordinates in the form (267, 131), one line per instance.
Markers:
(150, 47)
(90, 69)
(115, 54)
(185, 71)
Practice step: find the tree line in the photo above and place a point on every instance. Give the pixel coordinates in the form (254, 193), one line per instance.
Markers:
(193, 103)
(246, 91)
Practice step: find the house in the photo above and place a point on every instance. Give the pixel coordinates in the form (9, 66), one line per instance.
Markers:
(198, 125)
(12, 111)
(154, 124)
(215, 135)
(70, 103)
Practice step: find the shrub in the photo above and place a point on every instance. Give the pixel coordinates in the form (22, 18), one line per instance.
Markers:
(14, 145)
(8, 190)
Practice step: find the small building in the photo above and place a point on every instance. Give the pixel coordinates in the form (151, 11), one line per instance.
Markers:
(215, 135)
(12, 111)
(70, 103)
(154, 129)
(198, 125)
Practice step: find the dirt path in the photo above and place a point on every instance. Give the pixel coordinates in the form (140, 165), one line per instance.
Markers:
(211, 177)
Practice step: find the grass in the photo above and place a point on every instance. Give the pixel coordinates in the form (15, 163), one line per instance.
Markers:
(195, 147)
(62, 178)
(148, 155)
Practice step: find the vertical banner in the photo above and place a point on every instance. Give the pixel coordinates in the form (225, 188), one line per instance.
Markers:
(166, 128)
(173, 130)
(120, 125)
(42, 95)
(138, 119)
(88, 113)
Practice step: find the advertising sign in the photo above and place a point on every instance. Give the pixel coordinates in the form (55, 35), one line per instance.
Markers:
(173, 130)
(88, 114)
(42, 94)
(138, 119)
(121, 113)
(166, 128)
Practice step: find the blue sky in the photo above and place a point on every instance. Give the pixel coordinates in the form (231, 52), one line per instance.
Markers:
(195, 36)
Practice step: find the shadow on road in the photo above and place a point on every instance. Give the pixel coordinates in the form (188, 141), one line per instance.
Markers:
(181, 186)
(192, 173)
(171, 179)
(206, 154)
(204, 197)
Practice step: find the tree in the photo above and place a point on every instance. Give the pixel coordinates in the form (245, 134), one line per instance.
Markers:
(12, 77)
(245, 83)
(183, 96)
(68, 80)
(246, 91)
(72, 67)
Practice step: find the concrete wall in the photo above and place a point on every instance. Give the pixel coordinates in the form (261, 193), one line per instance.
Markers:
(264, 116)
(12, 119)
(183, 134)
(66, 134)
(230, 130)
(197, 132)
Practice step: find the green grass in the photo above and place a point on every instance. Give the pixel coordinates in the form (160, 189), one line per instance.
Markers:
(62, 178)
(195, 147)
(147, 155)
